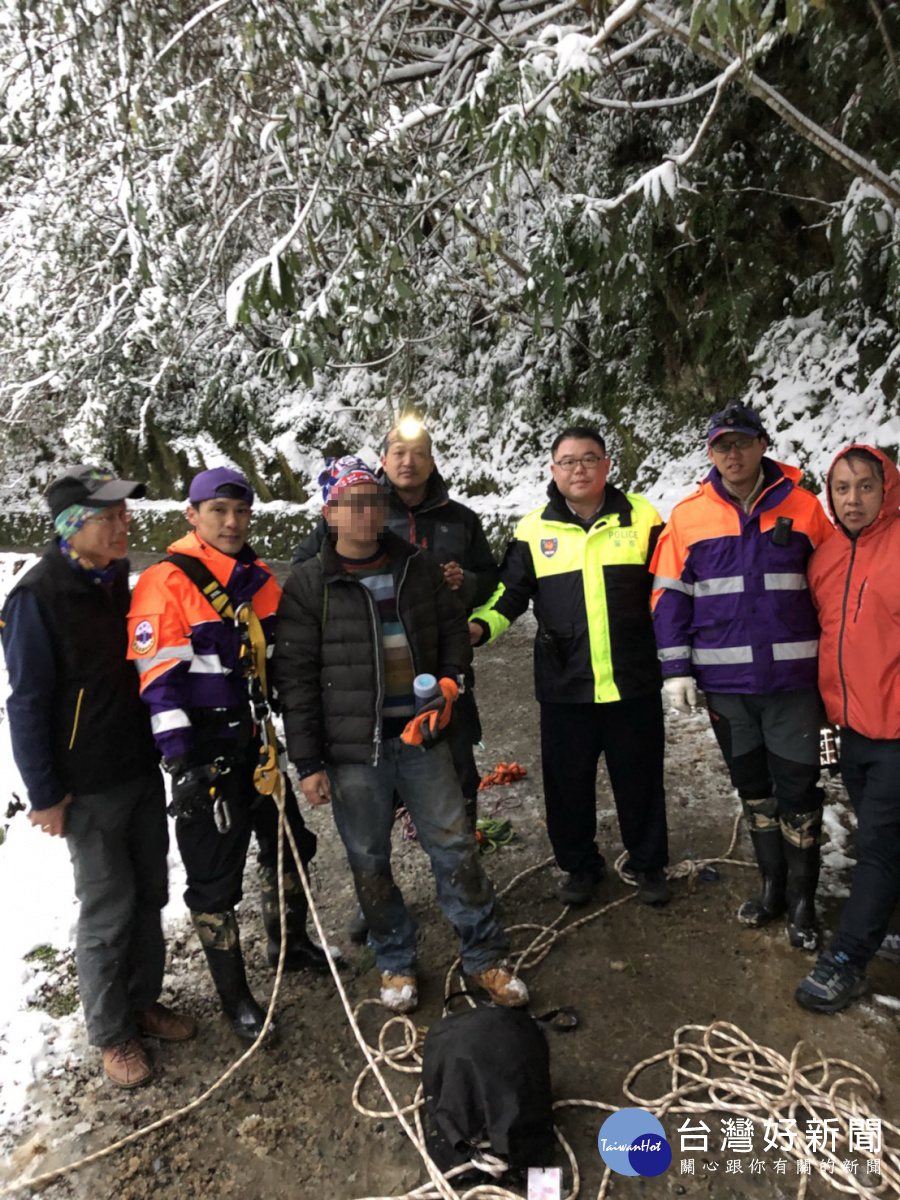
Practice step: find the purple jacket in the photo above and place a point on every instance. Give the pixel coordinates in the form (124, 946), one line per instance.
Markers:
(730, 605)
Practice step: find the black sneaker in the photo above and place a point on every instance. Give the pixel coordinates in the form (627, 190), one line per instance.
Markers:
(832, 983)
(890, 948)
(577, 889)
(653, 887)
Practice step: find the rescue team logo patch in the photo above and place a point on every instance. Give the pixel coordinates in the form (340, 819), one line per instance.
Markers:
(144, 638)
(549, 546)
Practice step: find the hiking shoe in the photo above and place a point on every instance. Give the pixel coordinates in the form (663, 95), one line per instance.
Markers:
(890, 948)
(358, 929)
(653, 887)
(399, 992)
(832, 983)
(577, 888)
(502, 986)
(127, 1064)
(161, 1022)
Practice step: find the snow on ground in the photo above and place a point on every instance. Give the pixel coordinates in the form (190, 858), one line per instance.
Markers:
(812, 405)
(39, 908)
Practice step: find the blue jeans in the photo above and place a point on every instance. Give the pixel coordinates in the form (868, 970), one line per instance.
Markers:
(362, 800)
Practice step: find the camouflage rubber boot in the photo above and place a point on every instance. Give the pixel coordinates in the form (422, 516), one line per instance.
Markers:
(219, 937)
(300, 953)
(765, 834)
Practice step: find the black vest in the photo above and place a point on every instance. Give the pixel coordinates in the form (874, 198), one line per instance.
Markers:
(100, 728)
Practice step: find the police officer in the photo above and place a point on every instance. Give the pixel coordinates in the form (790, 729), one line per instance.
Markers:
(582, 561)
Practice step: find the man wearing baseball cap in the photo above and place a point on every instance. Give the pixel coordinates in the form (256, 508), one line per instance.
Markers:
(200, 630)
(733, 616)
(81, 740)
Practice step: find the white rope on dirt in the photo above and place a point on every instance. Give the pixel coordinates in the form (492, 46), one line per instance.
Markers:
(175, 1115)
(442, 1187)
(758, 1081)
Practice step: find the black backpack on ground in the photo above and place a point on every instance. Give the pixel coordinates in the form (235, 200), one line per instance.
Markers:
(486, 1079)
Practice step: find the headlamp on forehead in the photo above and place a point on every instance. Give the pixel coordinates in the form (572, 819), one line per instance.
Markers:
(410, 428)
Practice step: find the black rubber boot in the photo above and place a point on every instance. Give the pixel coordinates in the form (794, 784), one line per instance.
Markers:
(802, 879)
(219, 937)
(300, 953)
(759, 910)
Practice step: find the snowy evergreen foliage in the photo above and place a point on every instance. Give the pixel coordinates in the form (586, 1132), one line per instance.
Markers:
(256, 230)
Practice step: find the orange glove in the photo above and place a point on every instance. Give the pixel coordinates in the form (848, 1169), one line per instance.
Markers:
(427, 726)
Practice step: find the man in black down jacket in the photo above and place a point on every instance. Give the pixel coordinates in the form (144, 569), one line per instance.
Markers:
(81, 740)
(421, 512)
(356, 624)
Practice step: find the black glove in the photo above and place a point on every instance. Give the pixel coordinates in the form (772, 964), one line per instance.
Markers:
(194, 789)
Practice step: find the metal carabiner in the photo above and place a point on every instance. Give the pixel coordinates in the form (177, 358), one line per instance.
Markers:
(221, 814)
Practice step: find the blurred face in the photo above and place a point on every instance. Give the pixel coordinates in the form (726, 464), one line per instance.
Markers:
(738, 456)
(222, 523)
(408, 464)
(580, 468)
(856, 494)
(103, 538)
(357, 514)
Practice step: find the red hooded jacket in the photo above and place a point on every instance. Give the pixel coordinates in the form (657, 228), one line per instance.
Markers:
(855, 586)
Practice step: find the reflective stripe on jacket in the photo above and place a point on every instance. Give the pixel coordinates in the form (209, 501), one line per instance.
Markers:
(730, 605)
(187, 656)
(591, 594)
(855, 584)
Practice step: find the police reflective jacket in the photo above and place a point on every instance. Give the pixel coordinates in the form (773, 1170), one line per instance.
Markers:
(591, 594)
(855, 585)
(730, 599)
(188, 656)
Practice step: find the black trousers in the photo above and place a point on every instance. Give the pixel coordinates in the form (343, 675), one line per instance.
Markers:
(464, 733)
(215, 861)
(770, 743)
(631, 734)
(871, 773)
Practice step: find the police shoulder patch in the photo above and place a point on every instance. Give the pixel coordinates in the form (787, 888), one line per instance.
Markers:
(549, 546)
(144, 637)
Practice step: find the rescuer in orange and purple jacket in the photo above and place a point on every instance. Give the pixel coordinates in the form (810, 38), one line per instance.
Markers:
(732, 615)
(855, 584)
(193, 653)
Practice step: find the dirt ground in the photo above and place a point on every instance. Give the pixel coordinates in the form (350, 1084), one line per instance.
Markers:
(285, 1126)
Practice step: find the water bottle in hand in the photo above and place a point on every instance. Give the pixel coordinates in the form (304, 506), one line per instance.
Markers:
(426, 689)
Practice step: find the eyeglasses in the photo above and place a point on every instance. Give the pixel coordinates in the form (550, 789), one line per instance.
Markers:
(590, 462)
(111, 518)
(726, 445)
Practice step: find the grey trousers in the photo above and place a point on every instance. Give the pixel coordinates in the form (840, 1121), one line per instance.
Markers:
(118, 840)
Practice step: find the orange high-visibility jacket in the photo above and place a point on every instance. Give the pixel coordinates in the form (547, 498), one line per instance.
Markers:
(855, 585)
(188, 656)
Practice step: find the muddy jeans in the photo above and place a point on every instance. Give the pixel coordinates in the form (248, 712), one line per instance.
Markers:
(118, 840)
(362, 800)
